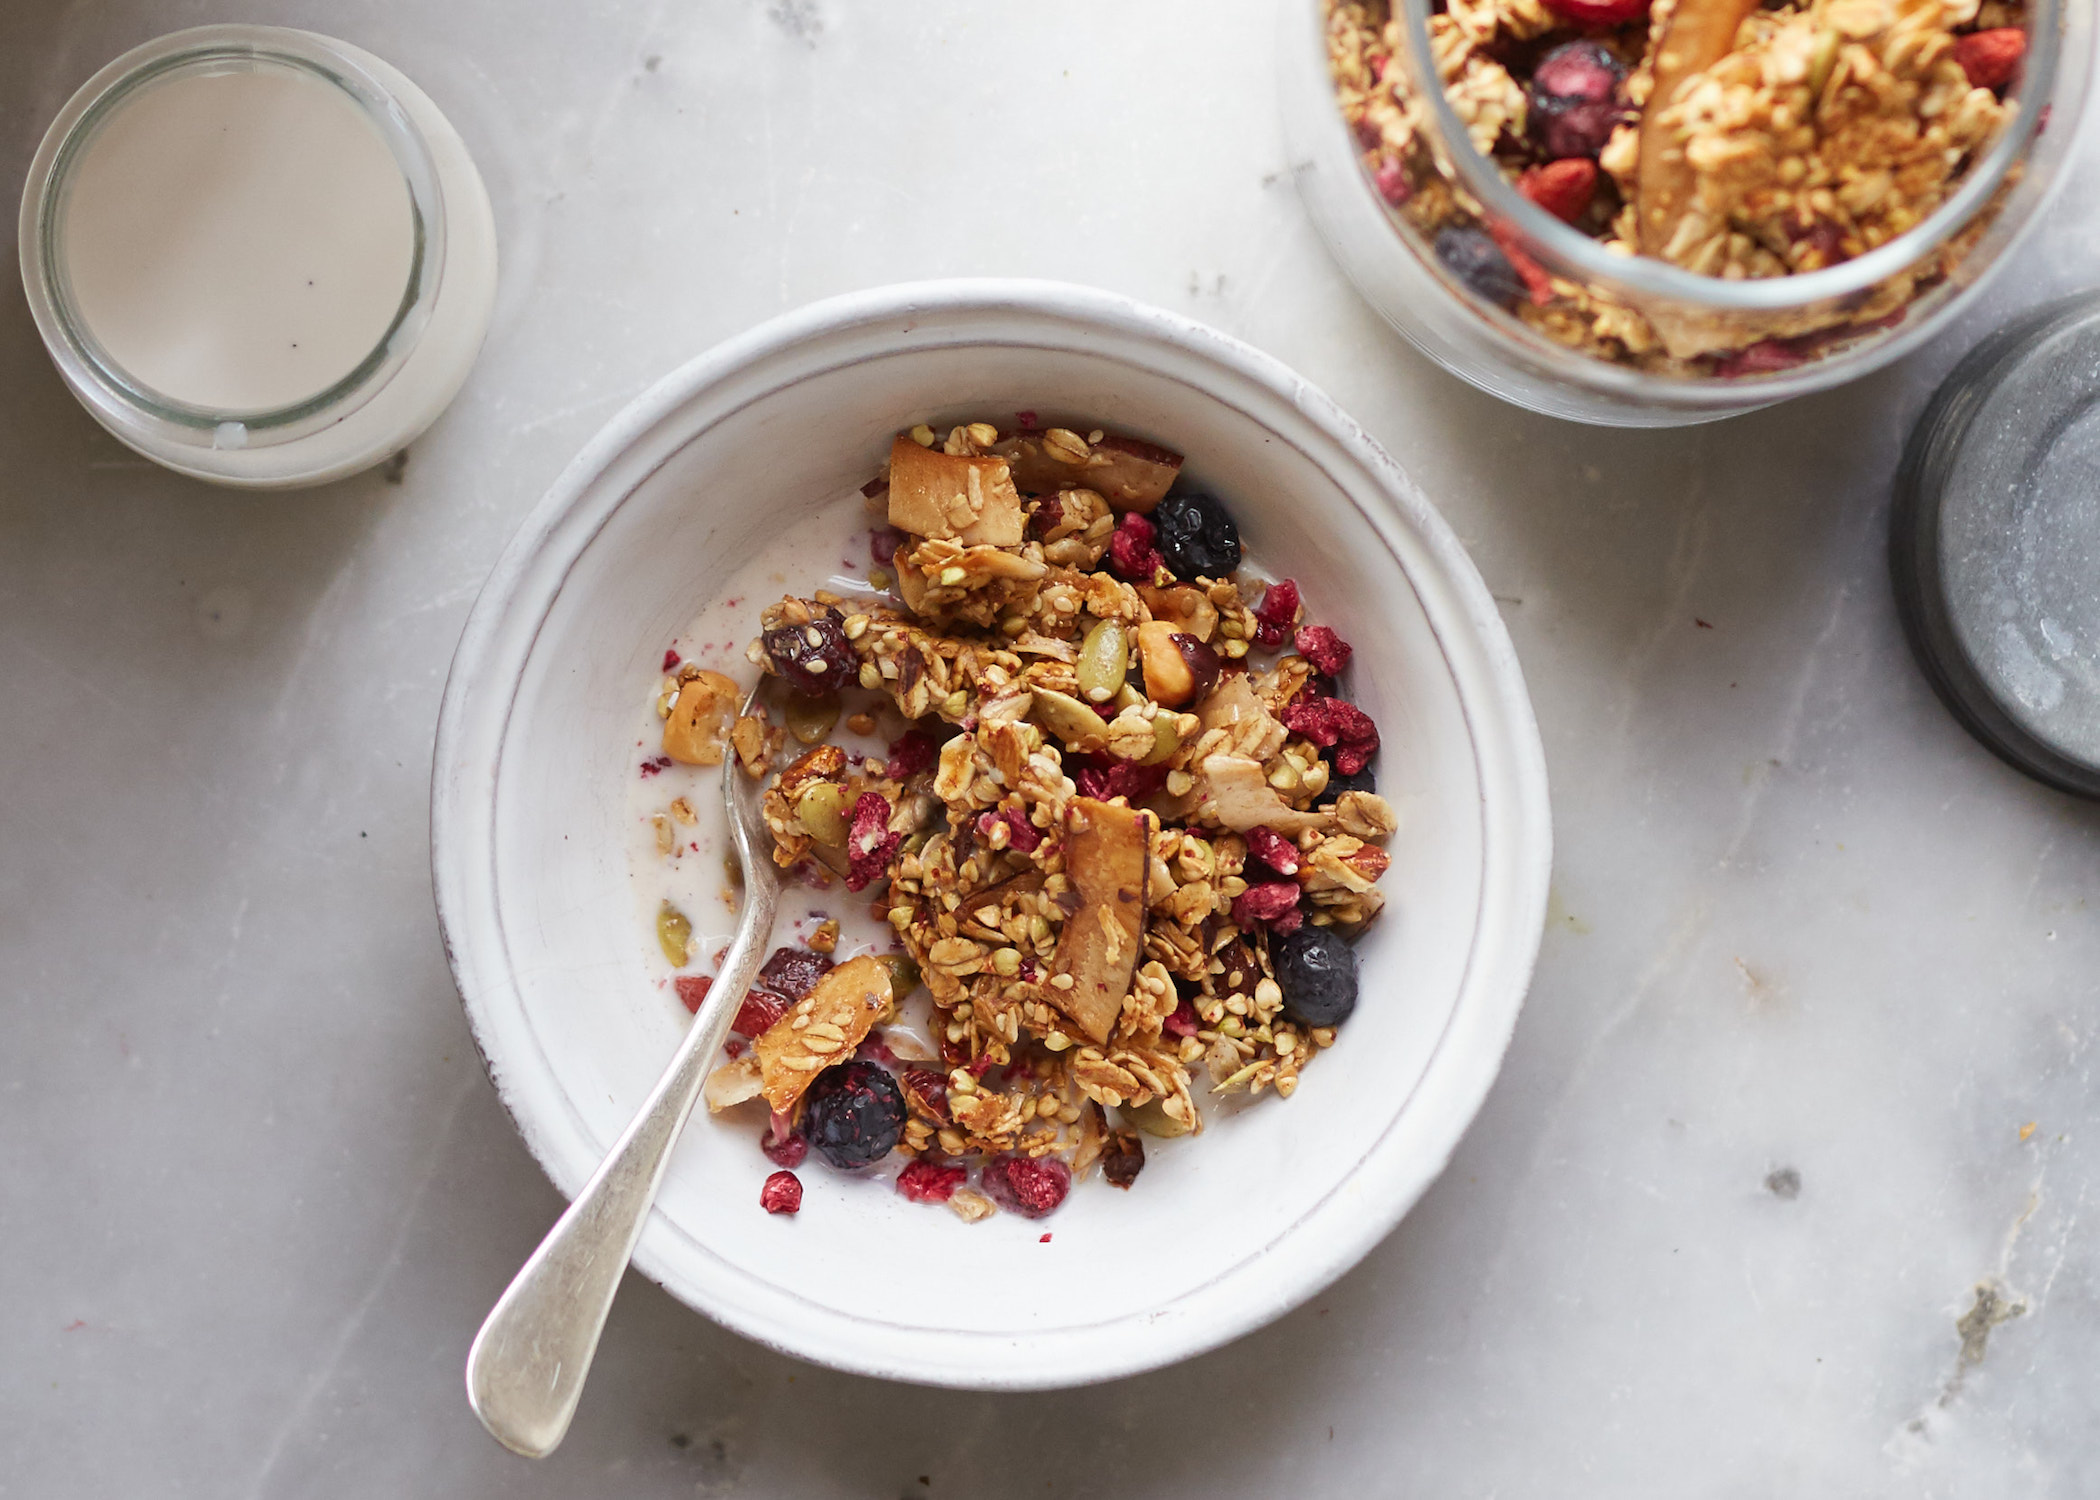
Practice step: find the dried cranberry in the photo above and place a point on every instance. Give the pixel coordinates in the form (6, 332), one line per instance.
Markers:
(1030, 1186)
(927, 1092)
(1477, 261)
(815, 659)
(1133, 549)
(671, 660)
(929, 1182)
(1197, 536)
(793, 972)
(783, 1150)
(1335, 725)
(1122, 1158)
(782, 1194)
(870, 843)
(1327, 651)
(1273, 850)
(1264, 902)
(1102, 777)
(883, 543)
(1575, 103)
(1598, 12)
(911, 753)
(1048, 515)
(1562, 188)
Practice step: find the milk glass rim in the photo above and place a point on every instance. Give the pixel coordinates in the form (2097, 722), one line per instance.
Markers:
(211, 48)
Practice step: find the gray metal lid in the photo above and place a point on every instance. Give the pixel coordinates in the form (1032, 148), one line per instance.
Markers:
(1994, 544)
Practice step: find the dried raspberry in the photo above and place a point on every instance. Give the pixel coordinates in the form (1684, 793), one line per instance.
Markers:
(1264, 902)
(928, 1182)
(911, 753)
(782, 1194)
(1327, 651)
(1562, 188)
(1273, 850)
(671, 660)
(783, 1149)
(1991, 59)
(1021, 835)
(1133, 551)
(1762, 358)
(927, 1092)
(1102, 777)
(883, 543)
(1030, 1186)
(793, 972)
(871, 843)
(1333, 724)
(879, 485)
(1183, 1022)
(651, 767)
(1122, 1158)
(1392, 182)
(1276, 614)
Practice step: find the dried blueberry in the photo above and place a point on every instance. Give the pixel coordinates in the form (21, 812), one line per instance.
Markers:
(1197, 536)
(1337, 783)
(815, 658)
(1476, 260)
(1317, 974)
(854, 1114)
(1575, 101)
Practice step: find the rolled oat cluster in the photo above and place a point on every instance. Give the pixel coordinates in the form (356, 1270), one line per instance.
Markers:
(1123, 836)
(1733, 139)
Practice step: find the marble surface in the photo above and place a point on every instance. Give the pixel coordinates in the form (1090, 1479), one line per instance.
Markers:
(1753, 1211)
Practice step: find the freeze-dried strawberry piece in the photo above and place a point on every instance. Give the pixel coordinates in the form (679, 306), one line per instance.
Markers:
(1273, 850)
(1183, 1022)
(1392, 183)
(1264, 902)
(1289, 922)
(1326, 650)
(1991, 59)
(1333, 724)
(1133, 549)
(926, 1092)
(928, 1182)
(1030, 1186)
(870, 843)
(782, 1194)
(911, 753)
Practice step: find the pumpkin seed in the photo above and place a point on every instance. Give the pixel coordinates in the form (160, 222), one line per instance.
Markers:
(904, 974)
(1070, 720)
(1104, 661)
(810, 719)
(1166, 739)
(822, 813)
(674, 934)
(1152, 1118)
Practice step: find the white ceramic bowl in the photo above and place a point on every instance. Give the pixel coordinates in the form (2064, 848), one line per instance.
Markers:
(1224, 1231)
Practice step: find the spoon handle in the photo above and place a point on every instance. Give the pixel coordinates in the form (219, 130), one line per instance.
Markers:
(527, 1367)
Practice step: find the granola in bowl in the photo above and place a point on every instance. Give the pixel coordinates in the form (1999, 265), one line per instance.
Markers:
(1731, 139)
(1084, 819)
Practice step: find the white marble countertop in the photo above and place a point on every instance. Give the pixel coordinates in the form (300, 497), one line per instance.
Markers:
(1816, 960)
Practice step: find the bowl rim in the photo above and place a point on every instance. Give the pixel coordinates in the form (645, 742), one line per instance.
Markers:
(1516, 852)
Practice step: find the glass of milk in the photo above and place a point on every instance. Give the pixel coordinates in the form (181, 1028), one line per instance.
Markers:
(258, 256)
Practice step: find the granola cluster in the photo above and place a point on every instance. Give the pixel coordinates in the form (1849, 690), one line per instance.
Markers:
(1120, 800)
(1734, 139)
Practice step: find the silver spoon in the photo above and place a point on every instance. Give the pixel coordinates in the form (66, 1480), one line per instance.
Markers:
(527, 1367)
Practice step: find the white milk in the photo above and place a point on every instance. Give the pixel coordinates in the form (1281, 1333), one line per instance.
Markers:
(238, 241)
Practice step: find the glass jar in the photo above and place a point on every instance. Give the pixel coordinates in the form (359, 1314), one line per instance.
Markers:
(371, 404)
(1564, 323)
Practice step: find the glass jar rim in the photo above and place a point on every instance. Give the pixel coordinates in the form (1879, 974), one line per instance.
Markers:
(1645, 277)
(208, 48)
